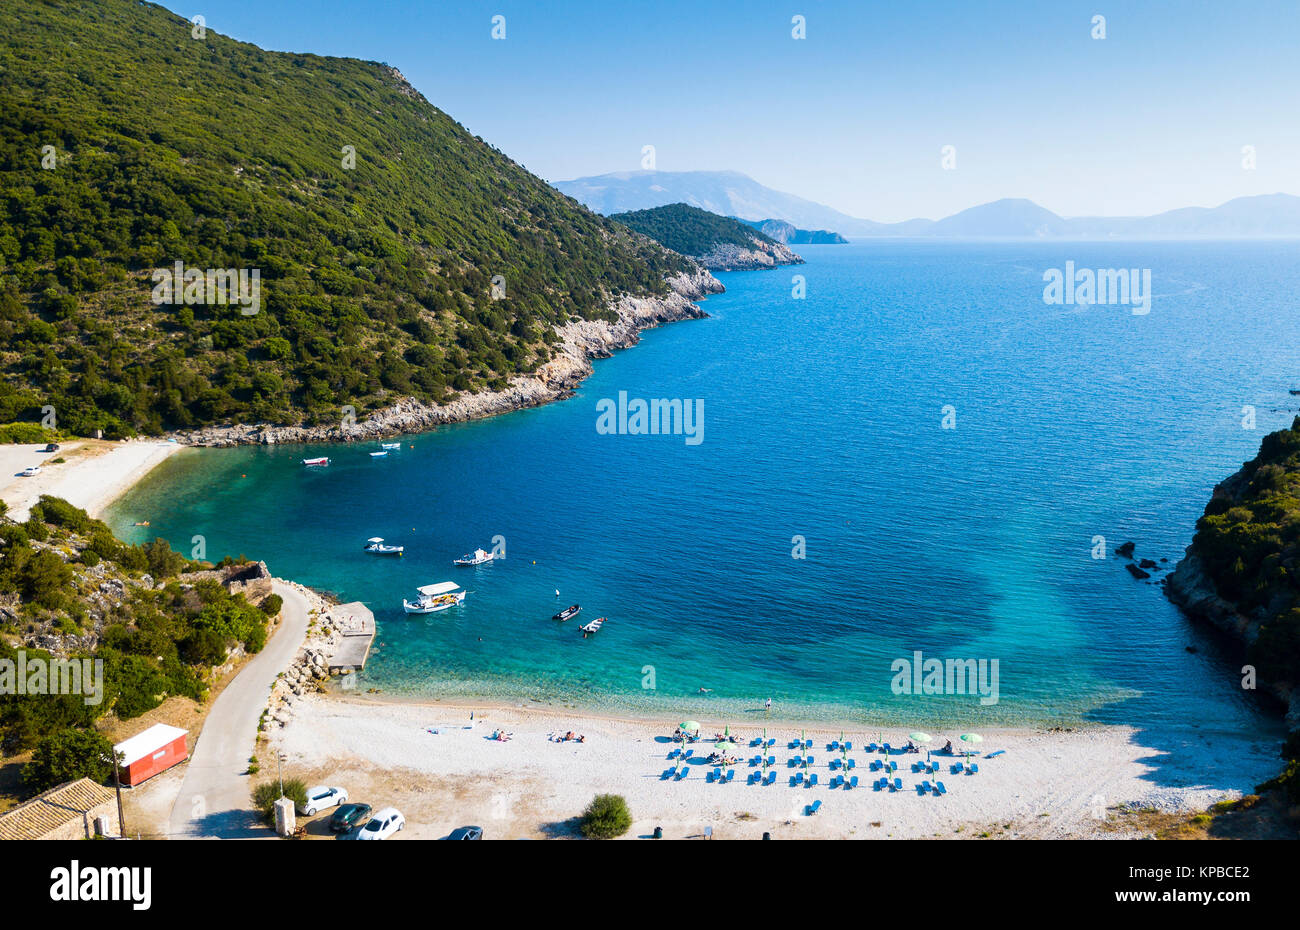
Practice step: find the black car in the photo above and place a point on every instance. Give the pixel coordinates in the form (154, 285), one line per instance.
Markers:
(349, 816)
(466, 833)
(51, 447)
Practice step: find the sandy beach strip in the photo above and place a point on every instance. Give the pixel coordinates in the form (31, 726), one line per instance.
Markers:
(1044, 784)
(93, 474)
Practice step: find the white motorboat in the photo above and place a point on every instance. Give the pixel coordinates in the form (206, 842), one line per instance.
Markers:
(376, 545)
(390, 446)
(378, 455)
(477, 558)
(593, 627)
(434, 597)
(319, 463)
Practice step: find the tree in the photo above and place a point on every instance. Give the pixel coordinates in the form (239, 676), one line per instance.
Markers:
(605, 817)
(67, 755)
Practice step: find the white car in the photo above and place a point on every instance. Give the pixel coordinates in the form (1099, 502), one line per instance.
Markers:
(31, 471)
(321, 797)
(382, 825)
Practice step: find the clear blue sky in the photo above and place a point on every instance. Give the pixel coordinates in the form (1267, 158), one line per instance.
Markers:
(1150, 118)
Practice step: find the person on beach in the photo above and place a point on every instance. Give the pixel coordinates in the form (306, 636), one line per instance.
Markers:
(947, 747)
(768, 704)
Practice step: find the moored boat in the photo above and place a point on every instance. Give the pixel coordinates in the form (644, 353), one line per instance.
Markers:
(568, 612)
(434, 597)
(593, 626)
(391, 446)
(320, 462)
(376, 545)
(478, 557)
(378, 455)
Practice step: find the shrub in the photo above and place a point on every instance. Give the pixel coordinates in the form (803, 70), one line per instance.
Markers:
(605, 817)
(266, 794)
(67, 755)
(272, 604)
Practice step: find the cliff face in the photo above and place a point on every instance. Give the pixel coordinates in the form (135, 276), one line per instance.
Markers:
(580, 342)
(1237, 575)
(728, 257)
(1194, 592)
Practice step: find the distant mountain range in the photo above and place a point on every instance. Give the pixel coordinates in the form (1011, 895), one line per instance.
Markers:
(730, 193)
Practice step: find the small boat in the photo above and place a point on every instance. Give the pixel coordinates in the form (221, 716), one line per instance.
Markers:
(434, 597)
(320, 462)
(378, 455)
(478, 558)
(593, 626)
(376, 545)
(390, 446)
(567, 612)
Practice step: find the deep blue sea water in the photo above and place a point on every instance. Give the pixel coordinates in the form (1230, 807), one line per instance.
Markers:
(822, 419)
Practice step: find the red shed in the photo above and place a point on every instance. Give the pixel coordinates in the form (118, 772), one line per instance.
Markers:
(155, 750)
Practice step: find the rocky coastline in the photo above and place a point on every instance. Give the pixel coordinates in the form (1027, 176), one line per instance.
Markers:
(727, 257)
(1190, 588)
(581, 341)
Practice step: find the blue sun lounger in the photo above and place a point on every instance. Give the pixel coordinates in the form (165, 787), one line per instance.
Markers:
(683, 773)
(668, 773)
(853, 782)
(939, 788)
(812, 780)
(898, 784)
(731, 775)
(812, 808)
(833, 745)
(771, 778)
(972, 769)
(923, 788)
(848, 747)
(957, 768)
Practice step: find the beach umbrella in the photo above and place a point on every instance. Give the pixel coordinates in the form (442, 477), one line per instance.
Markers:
(971, 738)
(920, 737)
(689, 725)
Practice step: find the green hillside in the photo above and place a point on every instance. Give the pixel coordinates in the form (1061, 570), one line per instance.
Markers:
(159, 623)
(690, 230)
(375, 281)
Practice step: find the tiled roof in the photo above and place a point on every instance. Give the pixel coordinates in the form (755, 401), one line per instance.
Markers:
(56, 808)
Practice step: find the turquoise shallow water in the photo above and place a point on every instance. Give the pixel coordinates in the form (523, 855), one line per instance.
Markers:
(822, 419)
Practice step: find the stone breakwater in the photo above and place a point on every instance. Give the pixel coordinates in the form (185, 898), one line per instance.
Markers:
(580, 342)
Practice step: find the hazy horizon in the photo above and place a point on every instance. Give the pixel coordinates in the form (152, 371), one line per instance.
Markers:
(1151, 118)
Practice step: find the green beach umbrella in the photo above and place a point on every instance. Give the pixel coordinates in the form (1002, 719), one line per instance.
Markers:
(971, 738)
(688, 725)
(920, 737)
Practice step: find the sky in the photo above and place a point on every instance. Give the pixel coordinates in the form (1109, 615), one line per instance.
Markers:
(855, 115)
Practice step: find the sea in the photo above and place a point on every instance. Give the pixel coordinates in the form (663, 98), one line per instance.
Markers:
(900, 452)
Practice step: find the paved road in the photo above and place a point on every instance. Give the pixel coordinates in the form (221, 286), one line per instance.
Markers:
(214, 798)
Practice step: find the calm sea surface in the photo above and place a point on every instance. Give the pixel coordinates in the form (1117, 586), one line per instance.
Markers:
(822, 420)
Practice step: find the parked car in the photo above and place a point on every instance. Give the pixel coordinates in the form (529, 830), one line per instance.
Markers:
(321, 797)
(51, 447)
(31, 471)
(349, 816)
(382, 825)
(466, 833)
